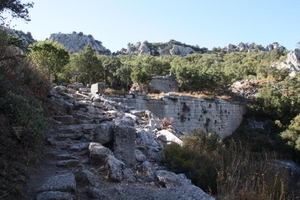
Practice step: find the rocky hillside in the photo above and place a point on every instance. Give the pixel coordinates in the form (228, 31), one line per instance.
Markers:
(26, 38)
(292, 62)
(174, 47)
(76, 42)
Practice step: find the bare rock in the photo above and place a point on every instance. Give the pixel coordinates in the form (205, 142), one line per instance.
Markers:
(99, 153)
(124, 141)
(103, 133)
(55, 195)
(68, 163)
(114, 169)
(62, 183)
(168, 137)
(140, 156)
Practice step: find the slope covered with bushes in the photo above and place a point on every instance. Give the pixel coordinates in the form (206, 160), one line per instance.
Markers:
(23, 122)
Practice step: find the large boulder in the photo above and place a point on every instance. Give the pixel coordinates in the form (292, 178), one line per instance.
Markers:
(114, 169)
(168, 137)
(99, 153)
(103, 133)
(124, 141)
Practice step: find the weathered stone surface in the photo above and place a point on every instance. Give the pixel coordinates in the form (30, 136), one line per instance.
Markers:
(164, 84)
(155, 154)
(55, 195)
(103, 132)
(189, 113)
(140, 156)
(68, 163)
(99, 153)
(63, 183)
(85, 177)
(98, 88)
(183, 186)
(146, 138)
(168, 137)
(170, 179)
(83, 146)
(114, 169)
(124, 141)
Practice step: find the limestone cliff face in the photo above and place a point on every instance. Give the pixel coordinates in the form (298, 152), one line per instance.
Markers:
(76, 42)
(292, 62)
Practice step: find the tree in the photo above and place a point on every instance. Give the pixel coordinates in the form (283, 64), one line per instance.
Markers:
(49, 57)
(123, 73)
(15, 8)
(292, 133)
(88, 63)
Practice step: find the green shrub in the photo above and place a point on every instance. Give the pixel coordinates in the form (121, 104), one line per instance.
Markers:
(198, 158)
(27, 118)
(229, 170)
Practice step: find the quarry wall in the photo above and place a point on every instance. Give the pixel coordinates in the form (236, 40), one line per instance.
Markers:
(189, 113)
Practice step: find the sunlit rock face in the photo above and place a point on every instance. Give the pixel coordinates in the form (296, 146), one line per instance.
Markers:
(76, 42)
(292, 62)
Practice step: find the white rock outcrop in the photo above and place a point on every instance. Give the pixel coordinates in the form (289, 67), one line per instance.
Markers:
(76, 42)
(292, 62)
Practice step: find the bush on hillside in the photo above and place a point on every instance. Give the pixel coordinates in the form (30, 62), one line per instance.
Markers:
(229, 170)
(23, 123)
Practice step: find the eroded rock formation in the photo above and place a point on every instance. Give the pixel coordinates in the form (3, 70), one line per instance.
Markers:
(76, 42)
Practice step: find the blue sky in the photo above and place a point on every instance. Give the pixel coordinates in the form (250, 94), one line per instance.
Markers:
(207, 23)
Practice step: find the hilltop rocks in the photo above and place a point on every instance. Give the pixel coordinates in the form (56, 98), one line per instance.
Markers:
(26, 38)
(76, 42)
(180, 49)
(292, 62)
(160, 49)
(250, 47)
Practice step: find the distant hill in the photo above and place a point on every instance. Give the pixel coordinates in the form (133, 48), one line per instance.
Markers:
(26, 38)
(174, 47)
(76, 42)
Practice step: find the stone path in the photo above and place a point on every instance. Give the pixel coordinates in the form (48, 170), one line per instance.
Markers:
(102, 150)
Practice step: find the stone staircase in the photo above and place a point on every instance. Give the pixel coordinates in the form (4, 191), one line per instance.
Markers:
(102, 150)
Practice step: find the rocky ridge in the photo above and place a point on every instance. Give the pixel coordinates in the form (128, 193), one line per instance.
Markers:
(103, 150)
(172, 47)
(250, 47)
(76, 42)
(26, 38)
(177, 48)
